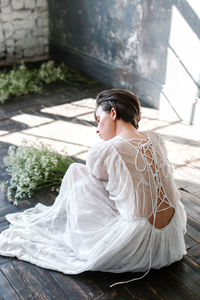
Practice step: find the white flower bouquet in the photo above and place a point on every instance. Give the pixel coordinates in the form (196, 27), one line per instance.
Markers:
(32, 168)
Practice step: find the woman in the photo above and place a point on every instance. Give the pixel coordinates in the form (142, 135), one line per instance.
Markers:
(120, 212)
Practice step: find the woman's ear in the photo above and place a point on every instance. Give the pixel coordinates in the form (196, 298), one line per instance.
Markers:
(113, 114)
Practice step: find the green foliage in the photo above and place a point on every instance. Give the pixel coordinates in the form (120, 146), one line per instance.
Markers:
(32, 168)
(17, 82)
(22, 80)
(48, 73)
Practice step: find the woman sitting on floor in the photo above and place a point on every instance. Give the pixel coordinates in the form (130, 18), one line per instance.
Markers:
(120, 212)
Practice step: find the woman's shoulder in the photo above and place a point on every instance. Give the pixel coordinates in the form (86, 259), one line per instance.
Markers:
(154, 136)
(105, 145)
(99, 150)
(101, 145)
(157, 141)
(151, 134)
(105, 148)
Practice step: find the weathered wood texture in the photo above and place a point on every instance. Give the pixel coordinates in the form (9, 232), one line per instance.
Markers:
(22, 280)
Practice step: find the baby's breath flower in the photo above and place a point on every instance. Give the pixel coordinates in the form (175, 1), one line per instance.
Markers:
(31, 168)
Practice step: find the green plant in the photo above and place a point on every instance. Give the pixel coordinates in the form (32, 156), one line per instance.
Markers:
(32, 168)
(22, 80)
(18, 81)
(49, 73)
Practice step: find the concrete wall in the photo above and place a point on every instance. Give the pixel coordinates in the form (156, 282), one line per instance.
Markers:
(23, 29)
(125, 44)
(121, 39)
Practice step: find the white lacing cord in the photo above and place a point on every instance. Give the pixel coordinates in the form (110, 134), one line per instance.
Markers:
(153, 210)
(150, 254)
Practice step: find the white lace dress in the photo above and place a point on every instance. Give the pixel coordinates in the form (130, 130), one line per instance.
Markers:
(101, 218)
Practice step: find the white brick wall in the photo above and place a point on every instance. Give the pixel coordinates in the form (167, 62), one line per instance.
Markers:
(17, 4)
(29, 4)
(41, 3)
(23, 28)
(4, 3)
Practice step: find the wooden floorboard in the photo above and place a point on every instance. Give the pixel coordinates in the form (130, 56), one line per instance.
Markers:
(6, 289)
(193, 233)
(22, 280)
(31, 282)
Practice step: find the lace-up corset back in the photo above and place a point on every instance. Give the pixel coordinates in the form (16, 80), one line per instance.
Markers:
(154, 202)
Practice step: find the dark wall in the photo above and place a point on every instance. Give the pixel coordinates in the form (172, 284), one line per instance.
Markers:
(123, 43)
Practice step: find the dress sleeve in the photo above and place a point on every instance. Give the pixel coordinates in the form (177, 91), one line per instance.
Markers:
(105, 163)
(97, 160)
(166, 167)
(120, 185)
(158, 140)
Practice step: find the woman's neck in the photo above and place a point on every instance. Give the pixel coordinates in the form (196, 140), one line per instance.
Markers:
(126, 130)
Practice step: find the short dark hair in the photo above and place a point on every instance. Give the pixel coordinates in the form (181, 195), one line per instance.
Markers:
(125, 103)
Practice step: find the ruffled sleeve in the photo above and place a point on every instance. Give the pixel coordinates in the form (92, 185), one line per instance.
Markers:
(97, 160)
(105, 163)
(120, 185)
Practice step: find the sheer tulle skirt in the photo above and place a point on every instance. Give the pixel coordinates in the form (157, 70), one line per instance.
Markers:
(83, 231)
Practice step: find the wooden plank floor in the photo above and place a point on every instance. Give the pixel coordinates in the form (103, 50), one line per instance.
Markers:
(22, 280)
